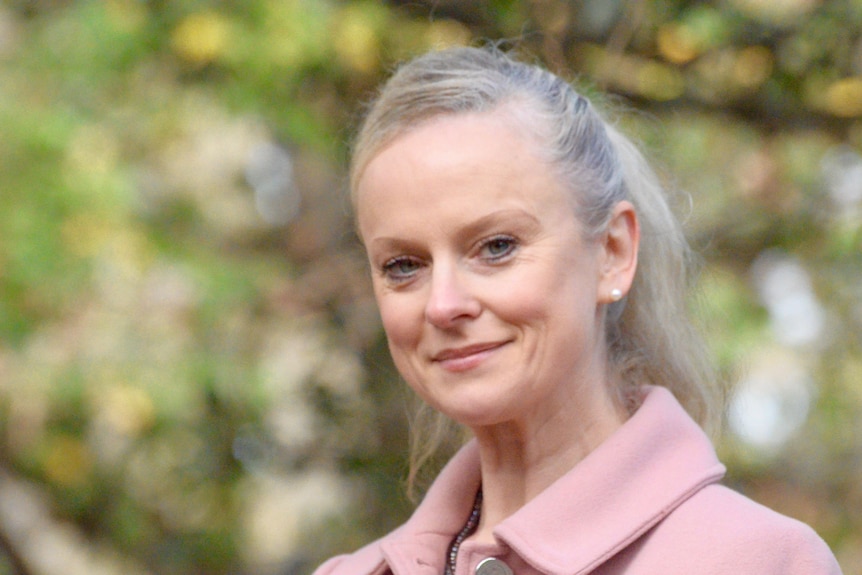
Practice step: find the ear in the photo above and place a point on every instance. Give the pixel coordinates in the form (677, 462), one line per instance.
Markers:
(619, 253)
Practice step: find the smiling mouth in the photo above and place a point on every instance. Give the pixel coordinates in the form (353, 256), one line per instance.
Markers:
(467, 357)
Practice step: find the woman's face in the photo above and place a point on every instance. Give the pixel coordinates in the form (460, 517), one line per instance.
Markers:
(489, 293)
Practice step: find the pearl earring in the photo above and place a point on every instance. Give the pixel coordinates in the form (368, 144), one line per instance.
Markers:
(616, 294)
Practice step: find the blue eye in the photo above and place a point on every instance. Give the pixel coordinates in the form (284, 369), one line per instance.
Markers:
(498, 247)
(400, 268)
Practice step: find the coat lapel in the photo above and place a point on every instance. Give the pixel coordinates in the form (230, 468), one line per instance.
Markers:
(640, 474)
(647, 468)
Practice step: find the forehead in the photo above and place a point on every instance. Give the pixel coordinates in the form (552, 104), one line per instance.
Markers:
(462, 164)
(452, 144)
(486, 131)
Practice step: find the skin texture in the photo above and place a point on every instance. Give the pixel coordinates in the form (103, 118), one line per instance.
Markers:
(492, 298)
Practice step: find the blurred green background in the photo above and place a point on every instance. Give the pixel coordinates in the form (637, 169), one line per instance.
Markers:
(193, 378)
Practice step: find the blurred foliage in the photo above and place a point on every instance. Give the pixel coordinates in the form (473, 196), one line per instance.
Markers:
(192, 373)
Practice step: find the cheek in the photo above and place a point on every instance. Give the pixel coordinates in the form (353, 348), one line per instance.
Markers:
(399, 321)
(519, 305)
(529, 296)
(403, 332)
(546, 301)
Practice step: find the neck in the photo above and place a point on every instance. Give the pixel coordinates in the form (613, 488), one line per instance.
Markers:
(520, 460)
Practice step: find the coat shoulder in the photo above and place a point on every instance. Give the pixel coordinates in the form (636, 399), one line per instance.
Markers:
(368, 560)
(735, 534)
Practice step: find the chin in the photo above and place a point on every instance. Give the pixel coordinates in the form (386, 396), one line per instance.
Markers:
(478, 398)
(474, 412)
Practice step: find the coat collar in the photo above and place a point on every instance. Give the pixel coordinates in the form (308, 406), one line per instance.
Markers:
(648, 467)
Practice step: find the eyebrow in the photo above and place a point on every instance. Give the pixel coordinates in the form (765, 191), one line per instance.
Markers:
(473, 228)
(496, 217)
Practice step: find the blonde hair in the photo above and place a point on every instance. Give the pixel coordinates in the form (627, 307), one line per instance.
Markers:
(649, 335)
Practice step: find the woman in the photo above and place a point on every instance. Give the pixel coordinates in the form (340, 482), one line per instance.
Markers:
(529, 276)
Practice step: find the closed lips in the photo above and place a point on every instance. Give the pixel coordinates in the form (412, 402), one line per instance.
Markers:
(461, 352)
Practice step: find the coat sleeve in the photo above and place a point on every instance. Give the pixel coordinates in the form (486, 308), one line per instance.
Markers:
(720, 532)
(329, 566)
(794, 549)
(746, 538)
(366, 561)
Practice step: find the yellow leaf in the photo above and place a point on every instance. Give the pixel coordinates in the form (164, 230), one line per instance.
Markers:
(677, 44)
(844, 97)
(68, 461)
(201, 38)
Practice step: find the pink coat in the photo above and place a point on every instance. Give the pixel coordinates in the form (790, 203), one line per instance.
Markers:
(645, 502)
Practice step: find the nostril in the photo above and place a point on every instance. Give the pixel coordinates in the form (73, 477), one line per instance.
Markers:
(450, 298)
(445, 311)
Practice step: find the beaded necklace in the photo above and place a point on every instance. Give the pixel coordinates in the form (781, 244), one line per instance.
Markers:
(469, 529)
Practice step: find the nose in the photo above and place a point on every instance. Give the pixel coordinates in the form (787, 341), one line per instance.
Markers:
(450, 300)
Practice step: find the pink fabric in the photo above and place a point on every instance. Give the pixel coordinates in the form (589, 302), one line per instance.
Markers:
(646, 501)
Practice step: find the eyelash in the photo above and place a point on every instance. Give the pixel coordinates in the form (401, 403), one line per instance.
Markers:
(390, 268)
(512, 244)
